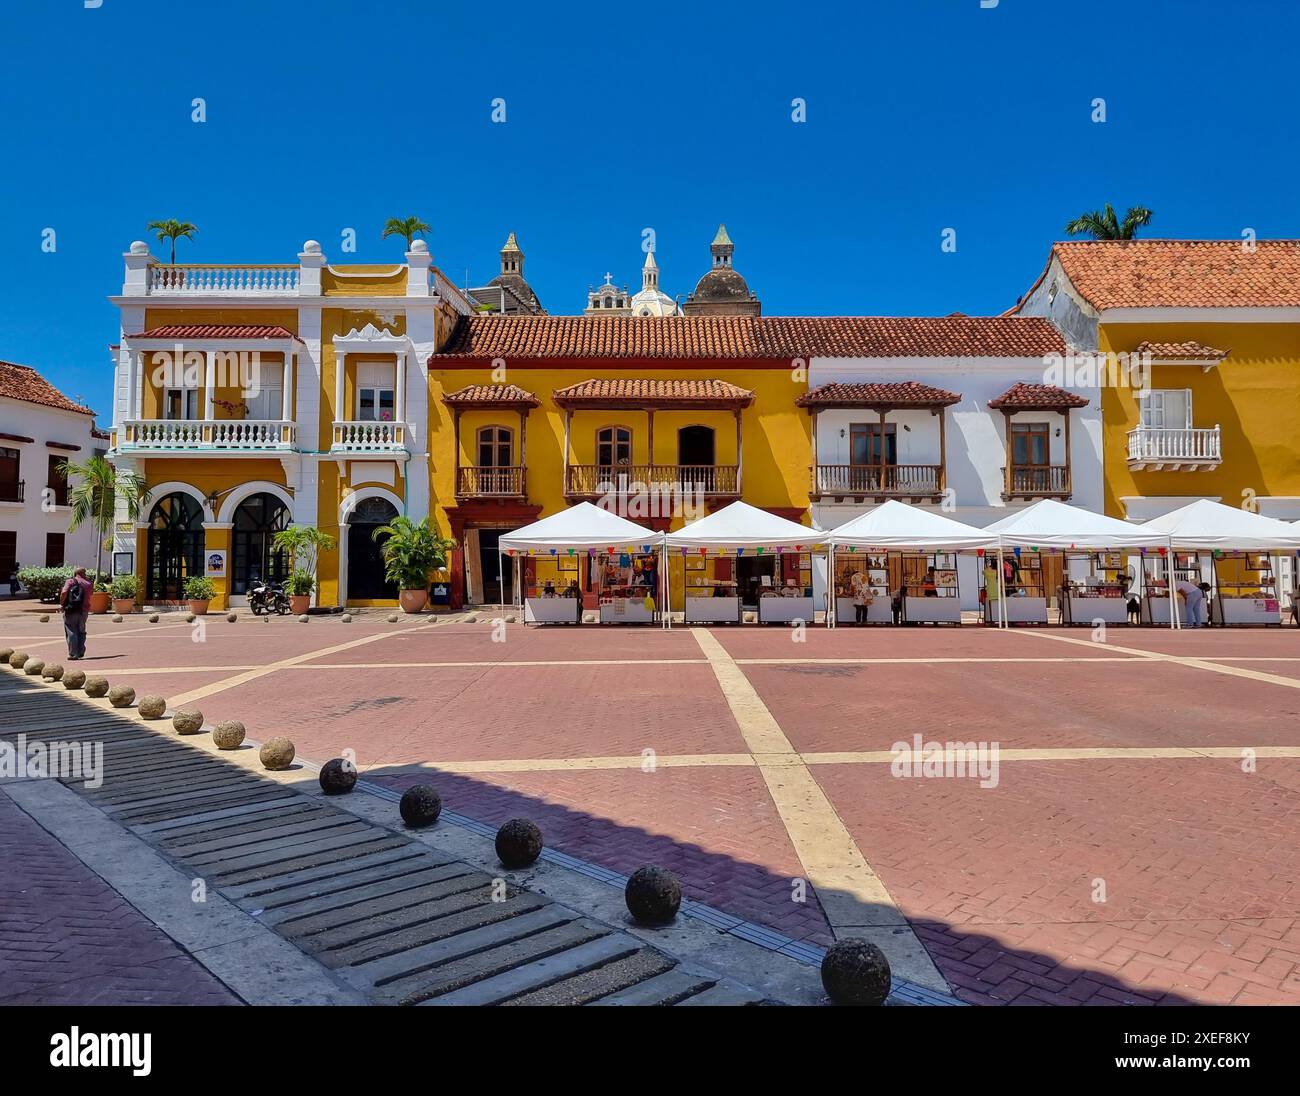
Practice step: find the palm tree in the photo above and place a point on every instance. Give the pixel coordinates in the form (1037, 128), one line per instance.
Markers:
(410, 227)
(172, 229)
(95, 497)
(1104, 225)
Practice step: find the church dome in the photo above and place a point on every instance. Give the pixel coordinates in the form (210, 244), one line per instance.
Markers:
(721, 286)
(722, 291)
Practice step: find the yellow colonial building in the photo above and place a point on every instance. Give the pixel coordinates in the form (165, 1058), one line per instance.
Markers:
(255, 397)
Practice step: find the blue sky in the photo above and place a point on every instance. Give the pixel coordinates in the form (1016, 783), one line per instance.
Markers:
(921, 116)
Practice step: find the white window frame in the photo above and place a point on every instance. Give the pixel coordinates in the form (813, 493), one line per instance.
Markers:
(189, 400)
(1153, 407)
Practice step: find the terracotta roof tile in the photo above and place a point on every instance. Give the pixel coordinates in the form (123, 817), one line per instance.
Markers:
(491, 394)
(647, 391)
(22, 382)
(1027, 397)
(1183, 273)
(894, 394)
(1181, 351)
(216, 331)
(749, 337)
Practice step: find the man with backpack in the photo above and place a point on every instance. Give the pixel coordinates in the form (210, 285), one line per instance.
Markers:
(75, 599)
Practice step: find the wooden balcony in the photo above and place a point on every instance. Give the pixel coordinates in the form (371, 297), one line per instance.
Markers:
(1046, 481)
(491, 483)
(861, 482)
(593, 481)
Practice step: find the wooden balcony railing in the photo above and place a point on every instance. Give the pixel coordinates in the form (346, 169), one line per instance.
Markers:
(595, 480)
(1036, 481)
(481, 483)
(881, 481)
(11, 492)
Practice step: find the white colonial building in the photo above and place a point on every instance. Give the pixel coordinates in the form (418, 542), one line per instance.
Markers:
(40, 427)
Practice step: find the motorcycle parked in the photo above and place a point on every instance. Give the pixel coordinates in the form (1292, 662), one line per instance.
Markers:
(265, 598)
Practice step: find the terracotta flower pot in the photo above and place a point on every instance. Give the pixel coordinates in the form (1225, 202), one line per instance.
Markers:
(413, 601)
(100, 601)
(199, 608)
(124, 606)
(299, 603)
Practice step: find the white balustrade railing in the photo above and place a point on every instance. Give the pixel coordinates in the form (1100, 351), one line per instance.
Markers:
(368, 437)
(224, 281)
(1156, 445)
(206, 434)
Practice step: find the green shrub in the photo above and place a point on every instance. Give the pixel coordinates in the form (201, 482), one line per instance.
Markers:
(301, 583)
(44, 583)
(198, 588)
(125, 586)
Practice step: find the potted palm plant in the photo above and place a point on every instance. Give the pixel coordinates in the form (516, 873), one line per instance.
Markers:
(199, 590)
(99, 490)
(410, 551)
(303, 544)
(123, 591)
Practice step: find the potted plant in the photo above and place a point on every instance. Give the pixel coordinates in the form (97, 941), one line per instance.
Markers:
(301, 583)
(198, 592)
(303, 543)
(100, 598)
(123, 591)
(410, 552)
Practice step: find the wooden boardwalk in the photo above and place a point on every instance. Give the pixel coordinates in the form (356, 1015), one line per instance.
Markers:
(389, 916)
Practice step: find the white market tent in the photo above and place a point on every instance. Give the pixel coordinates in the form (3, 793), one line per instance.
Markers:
(1206, 524)
(895, 524)
(741, 526)
(583, 526)
(1052, 524)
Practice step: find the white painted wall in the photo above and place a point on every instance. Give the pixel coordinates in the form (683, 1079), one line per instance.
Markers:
(30, 519)
(976, 436)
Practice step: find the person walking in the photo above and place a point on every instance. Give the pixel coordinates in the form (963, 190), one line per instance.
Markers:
(75, 600)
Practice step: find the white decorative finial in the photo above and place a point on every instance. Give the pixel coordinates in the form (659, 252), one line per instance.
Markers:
(419, 245)
(139, 247)
(311, 247)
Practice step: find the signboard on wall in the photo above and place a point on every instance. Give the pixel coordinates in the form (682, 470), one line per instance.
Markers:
(215, 565)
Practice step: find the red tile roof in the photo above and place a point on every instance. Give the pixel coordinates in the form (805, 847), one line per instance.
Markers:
(895, 394)
(748, 337)
(1181, 351)
(1183, 273)
(22, 382)
(216, 331)
(491, 394)
(647, 392)
(1043, 397)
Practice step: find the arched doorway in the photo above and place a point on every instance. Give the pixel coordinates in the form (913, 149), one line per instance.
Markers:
(257, 519)
(365, 562)
(174, 549)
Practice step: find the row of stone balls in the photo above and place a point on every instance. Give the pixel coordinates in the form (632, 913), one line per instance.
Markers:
(854, 971)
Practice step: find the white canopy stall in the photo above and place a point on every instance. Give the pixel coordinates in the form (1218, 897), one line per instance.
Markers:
(1055, 525)
(1242, 545)
(896, 526)
(740, 528)
(583, 528)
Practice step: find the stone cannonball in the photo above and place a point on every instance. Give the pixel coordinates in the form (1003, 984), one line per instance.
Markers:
(97, 686)
(338, 776)
(277, 753)
(232, 617)
(121, 696)
(856, 972)
(228, 734)
(17, 658)
(188, 721)
(519, 843)
(74, 679)
(34, 667)
(52, 672)
(45, 618)
(653, 895)
(152, 707)
(420, 805)
(153, 618)
(6, 653)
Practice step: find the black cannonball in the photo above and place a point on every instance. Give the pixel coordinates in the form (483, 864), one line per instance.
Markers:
(519, 843)
(337, 776)
(653, 895)
(420, 805)
(856, 972)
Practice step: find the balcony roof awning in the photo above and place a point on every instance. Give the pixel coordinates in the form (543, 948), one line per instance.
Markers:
(1036, 397)
(643, 393)
(1182, 353)
(489, 397)
(894, 396)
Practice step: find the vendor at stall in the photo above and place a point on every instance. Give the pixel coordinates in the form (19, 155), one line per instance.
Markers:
(1193, 595)
(862, 596)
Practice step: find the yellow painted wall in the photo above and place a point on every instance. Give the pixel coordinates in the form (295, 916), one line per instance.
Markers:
(381, 281)
(776, 433)
(1252, 396)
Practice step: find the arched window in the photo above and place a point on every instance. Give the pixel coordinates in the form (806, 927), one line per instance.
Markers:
(365, 560)
(613, 447)
(496, 447)
(174, 548)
